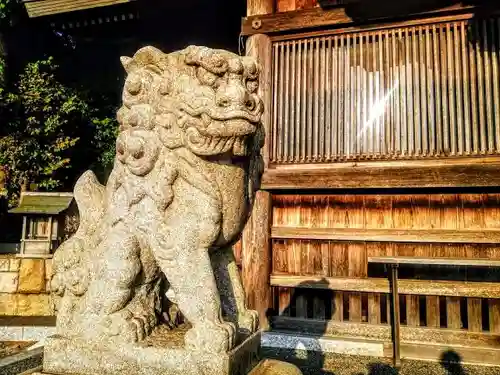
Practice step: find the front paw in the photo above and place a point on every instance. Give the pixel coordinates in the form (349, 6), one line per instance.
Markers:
(57, 284)
(77, 281)
(248, 321)
(125, 326)
(211, 337)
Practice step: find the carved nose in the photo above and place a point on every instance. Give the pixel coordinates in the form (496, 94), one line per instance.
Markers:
(234, 96)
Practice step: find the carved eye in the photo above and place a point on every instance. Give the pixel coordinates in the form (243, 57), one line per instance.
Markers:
(206, 77)
(134, 85)
(252, 86)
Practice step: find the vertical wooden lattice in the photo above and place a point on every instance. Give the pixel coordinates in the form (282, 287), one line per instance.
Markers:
(402, 93)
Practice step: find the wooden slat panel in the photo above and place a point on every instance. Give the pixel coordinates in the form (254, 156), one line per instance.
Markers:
(285, 5)
(301, 305)
(383, 332)
(259, 7)
(373, 285)
(494, 310)
(453, 313)
(492, 211)
(432, 311)
(339, 259)
(474, 317)
(363, 117)
(388, 235)
(338, 306)
(412, 310)
(319, 310)
(284, 300)
(357, 268)
(40, 8)
(374, 308)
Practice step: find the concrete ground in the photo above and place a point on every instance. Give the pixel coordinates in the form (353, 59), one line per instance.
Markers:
(315, 363)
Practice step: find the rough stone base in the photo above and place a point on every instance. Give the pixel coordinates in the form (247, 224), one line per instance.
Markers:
(72, 357)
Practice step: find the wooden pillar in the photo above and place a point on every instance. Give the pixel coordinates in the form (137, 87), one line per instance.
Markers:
(50, 234)
(259, 46)
(256, 243)
(23, 236)
(259, 7)
(256, 257)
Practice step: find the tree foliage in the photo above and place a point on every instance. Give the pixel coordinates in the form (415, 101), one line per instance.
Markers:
(50, 131)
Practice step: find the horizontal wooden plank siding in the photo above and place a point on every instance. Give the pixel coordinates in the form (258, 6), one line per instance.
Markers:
(39, 8)
(322, 245)
(373, 285)
(436, 261)
(383, 332)
(470, 172)
(387, 235)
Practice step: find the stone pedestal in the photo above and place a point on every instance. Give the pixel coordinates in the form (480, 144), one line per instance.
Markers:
(74, 357)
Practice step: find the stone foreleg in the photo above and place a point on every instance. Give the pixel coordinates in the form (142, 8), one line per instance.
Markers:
(231, 291)
(180, 241)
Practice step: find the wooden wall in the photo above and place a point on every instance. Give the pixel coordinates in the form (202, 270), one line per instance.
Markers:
(289, 5)
(319, 244)
(320, 271)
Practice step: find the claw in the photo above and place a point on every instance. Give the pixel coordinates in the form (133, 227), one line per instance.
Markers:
(139, 326)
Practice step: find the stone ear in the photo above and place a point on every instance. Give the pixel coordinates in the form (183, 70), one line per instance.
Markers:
(126, 62)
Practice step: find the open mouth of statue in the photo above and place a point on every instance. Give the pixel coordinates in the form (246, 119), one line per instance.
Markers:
(206, 145)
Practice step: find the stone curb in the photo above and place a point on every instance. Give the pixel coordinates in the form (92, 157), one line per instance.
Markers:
(25, 361)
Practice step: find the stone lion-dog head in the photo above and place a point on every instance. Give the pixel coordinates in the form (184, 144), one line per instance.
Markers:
(199, 98)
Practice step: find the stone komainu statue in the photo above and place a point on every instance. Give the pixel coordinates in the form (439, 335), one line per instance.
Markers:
(187, 166)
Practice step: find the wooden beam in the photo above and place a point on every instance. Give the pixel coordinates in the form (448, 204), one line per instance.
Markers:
(467, 172)
(260, 7)
(383, 332)
(458, 262)
(425, 351)
(260, 47)
(387, 235)
(28, 321)
(379, 285)
(39, 8)
(317, 17)
(256, 257)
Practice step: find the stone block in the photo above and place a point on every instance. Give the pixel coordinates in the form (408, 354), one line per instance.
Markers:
(14, 265)
(274, 367)
(48, 269)
(8, 282)
(34, 305)
(26, 305)
(8, 304)
(11, 333)
(4, 264)
(63, 356)
(32, 276)
(37, 333)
